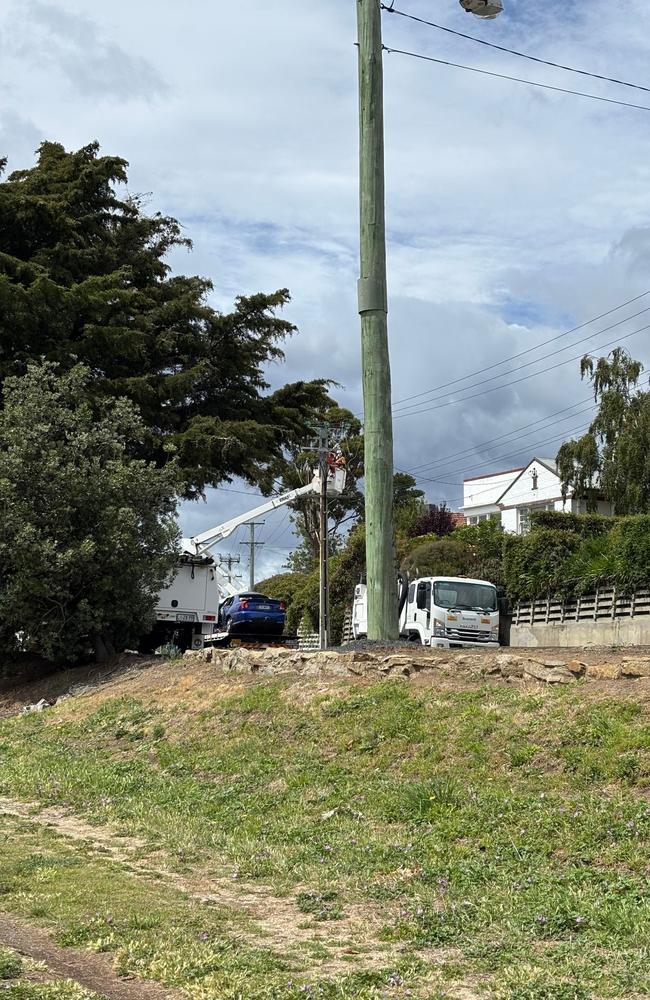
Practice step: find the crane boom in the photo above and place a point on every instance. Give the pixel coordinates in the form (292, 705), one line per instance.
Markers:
(201, 544)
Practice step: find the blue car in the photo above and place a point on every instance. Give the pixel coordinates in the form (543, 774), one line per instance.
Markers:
(252, 614)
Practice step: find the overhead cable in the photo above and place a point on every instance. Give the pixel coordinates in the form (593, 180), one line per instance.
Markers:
(515, 79)
(506, 385)
(402, 411)
(542, 424)
(514, 52)
(529, 350)
(557, 437)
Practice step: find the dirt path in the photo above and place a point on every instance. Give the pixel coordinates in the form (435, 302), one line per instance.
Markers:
(281, 925)
(91, 971)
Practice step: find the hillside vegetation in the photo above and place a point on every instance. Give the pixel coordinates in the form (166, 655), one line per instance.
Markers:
(257, 838)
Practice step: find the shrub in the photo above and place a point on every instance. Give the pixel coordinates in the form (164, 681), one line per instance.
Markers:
(536, 565)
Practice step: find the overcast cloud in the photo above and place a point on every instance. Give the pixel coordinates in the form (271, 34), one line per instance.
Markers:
(514, 213)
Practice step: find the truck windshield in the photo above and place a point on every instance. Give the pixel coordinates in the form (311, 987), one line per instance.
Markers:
(465, 596)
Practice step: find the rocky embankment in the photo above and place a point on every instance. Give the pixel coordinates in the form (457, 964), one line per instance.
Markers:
(544, 667)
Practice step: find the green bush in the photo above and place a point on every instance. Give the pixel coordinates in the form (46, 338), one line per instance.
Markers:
(536, 565)
(585, 525)
(283, 587)
(439, 557)
(630, 552)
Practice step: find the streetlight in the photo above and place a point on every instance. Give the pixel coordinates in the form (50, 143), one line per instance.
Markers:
(482, 8)
(373, 308)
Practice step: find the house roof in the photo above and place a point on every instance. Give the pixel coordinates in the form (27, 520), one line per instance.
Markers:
(548, 464)
(493, 475)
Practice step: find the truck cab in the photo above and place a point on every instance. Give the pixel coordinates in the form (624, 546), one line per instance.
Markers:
(443, 612)
(448, 612)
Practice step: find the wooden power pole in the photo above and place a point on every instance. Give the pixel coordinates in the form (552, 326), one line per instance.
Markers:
(373, 308)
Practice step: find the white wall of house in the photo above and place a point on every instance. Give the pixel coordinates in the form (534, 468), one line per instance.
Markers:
(481, 495)
(514, 495)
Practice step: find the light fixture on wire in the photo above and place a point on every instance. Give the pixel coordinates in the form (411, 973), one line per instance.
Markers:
(482, 8)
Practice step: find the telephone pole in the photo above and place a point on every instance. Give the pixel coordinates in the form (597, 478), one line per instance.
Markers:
(373, 309)
(251, 544)
(324, 603)
(229, 561)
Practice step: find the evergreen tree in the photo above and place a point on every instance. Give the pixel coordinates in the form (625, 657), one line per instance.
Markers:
(84, 278)
(88, 534)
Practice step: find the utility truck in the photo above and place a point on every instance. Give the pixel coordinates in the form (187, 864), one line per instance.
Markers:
(439, 611)
(187, 610)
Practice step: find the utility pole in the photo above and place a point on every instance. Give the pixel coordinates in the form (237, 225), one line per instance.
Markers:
(324, 603)
(373, 309)
(251, 544)
(229, 561)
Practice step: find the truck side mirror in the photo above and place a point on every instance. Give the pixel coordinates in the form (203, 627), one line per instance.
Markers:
(422, 598)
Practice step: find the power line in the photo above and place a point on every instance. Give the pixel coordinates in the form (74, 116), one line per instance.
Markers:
(529, 350)
(507, 385)
(439, 466)
(538, 444)
(536, 361)
(514, 52)
(515, 79)
(560, 435)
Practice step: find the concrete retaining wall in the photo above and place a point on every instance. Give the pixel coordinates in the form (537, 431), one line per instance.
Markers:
(617, 632)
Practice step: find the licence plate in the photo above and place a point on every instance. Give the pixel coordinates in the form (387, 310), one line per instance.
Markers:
(263, 607)
(184, 618)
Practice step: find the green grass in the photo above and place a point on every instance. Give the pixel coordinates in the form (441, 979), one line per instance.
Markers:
(506, 830)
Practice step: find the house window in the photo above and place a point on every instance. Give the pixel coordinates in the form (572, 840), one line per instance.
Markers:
(523, 516)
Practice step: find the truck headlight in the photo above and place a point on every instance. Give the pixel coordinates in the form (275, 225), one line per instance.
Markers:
(438, 627)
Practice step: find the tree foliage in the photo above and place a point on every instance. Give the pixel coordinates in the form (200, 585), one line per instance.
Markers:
(84, 278)
(295, 467)
(87, 533)
(613, 457)
(434, 520)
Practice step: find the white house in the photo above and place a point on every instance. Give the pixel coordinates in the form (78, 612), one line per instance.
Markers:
(482, 493)
(515, 494)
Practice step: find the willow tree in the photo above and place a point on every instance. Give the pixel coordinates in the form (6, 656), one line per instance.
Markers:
(613, 458)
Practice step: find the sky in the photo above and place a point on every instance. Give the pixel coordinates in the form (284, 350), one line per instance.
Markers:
(514, 214)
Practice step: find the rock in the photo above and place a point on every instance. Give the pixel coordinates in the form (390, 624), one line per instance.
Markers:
(552, 664)
(577, 668)
(508, 666)
(604, 672)
(558, 675)
(635, 668)
(37, 707)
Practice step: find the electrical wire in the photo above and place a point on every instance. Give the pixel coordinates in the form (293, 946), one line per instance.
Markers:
(528, 364)
(514, 52)
(514, 456)
(439, 466)
(514, 79)
(529, 350)
(526, 378)
(557, 437)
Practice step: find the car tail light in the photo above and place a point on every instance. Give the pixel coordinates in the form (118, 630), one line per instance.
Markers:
(209, 618)
(283, 606)
(244, 605)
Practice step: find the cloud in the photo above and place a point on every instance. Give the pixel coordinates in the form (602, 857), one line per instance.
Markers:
(95, 66)
(513, 214)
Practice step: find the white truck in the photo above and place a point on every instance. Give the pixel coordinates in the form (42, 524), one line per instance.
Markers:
(188, 608)
(440, 611)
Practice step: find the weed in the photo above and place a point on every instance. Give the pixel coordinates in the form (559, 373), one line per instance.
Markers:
(11, 965)
(320, 905)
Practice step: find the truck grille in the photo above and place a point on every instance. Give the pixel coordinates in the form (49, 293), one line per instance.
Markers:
(468, 635)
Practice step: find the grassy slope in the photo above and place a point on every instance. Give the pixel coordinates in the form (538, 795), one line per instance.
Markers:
(501, 833)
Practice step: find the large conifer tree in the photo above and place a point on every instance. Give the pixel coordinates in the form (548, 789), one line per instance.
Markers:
(84, 279)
